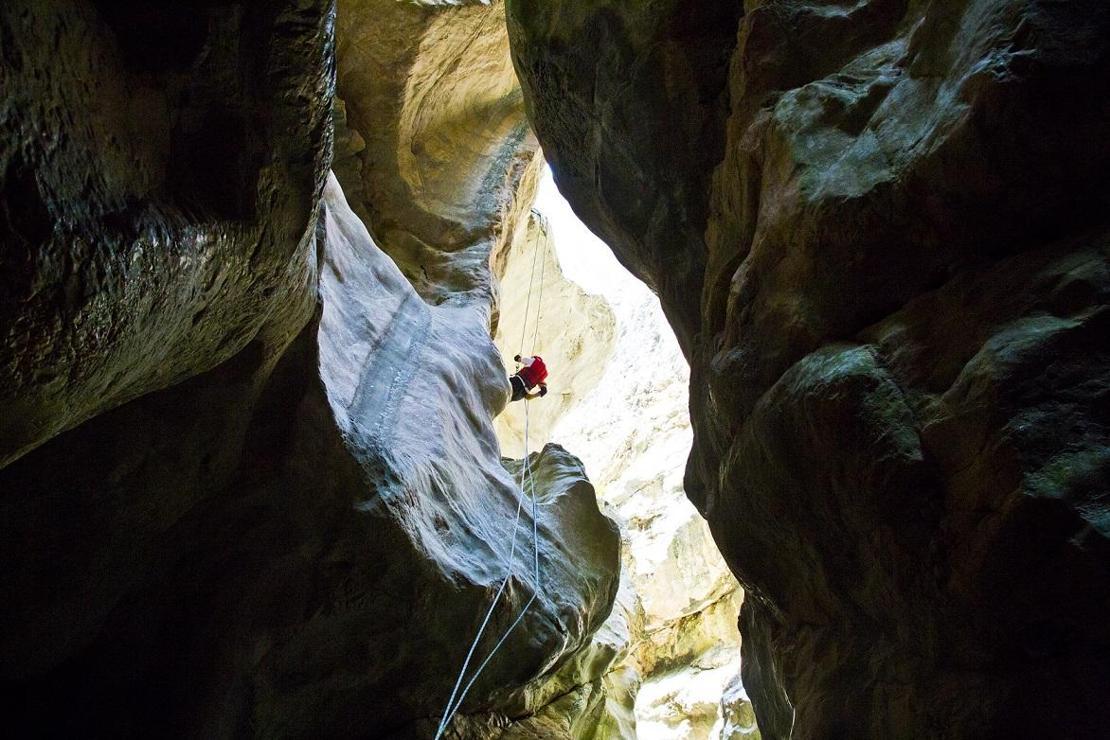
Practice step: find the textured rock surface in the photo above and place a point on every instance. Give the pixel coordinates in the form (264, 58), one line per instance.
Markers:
(736, 710)
(324, 573)
(159, 173)
(594, 76)
(892, 292)
(542, 312)
(420, 396)
(440, 161)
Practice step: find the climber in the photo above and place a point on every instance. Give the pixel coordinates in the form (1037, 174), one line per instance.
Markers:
(533, 374)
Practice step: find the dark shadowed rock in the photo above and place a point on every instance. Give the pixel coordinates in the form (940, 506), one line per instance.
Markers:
(159, 175)
(249, 484)
(889, 271)
(630, 107)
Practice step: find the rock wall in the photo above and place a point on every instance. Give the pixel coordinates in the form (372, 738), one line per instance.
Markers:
(619, 396)
(542, 312)
(438, 159)
(419, 391)
(878, 230)
(160, 173)
(249, 482)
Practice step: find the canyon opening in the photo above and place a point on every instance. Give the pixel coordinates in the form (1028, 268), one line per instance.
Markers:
(821, 288)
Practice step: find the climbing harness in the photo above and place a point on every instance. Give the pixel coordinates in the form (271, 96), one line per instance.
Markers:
(457, 696)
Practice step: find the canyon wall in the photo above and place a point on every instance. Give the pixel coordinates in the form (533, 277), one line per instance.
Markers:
(161, 172)
(435, 151)
(878, 229)
(544, 313)
(618, 395)
(249, 483)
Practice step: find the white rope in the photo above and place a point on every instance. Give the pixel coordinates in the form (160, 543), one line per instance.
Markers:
(457, 697)
(539, 307)
(528, 303)
(449, 711)
(456, 700)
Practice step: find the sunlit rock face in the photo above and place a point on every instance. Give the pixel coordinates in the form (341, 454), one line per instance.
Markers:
(435, 151)
(420, 416)
(879, 231)
(159, 174)
(544, 313)
(619, 397)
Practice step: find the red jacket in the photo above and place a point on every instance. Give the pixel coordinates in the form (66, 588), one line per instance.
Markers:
(533, 372)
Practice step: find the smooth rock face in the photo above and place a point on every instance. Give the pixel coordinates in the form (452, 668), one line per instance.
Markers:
(438, 160)
(159, 175)
(888, 269)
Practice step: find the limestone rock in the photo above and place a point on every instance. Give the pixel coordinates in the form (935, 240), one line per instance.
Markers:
(413, 392)
(591, 696)
(441, 163)
(542, 312)
(887, 265)
(627, 105)
(683, 704)
(739, 718)
(250, 481)
(619, 396)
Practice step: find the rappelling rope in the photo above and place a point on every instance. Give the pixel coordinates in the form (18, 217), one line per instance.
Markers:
(528, 303)
(457, 697)
(539, 312)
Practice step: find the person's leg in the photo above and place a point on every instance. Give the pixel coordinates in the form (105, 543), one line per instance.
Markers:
(518, 388)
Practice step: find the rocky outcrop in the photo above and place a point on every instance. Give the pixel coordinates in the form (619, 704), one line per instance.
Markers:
(160, 173)
(250, 484)
(878, 231)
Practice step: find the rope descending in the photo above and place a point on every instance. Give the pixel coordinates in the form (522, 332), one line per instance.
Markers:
(528, 303)
(457, 696)
(539, 312)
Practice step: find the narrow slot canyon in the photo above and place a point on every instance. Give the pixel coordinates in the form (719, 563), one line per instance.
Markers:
(820, 285)
(622, 406)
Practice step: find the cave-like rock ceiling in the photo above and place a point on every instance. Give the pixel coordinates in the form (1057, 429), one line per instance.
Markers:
(249, 264)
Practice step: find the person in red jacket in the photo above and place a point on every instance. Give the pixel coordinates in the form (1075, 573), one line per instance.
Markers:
(532, 374)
